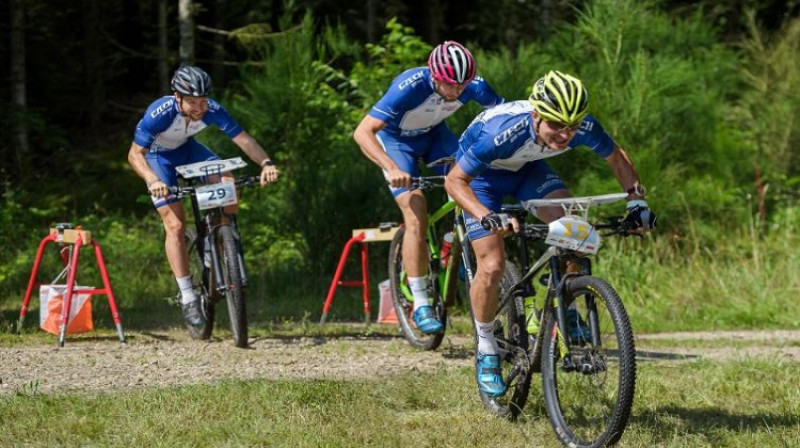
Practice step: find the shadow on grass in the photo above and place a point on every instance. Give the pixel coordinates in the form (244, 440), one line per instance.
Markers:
(642, 355)
(708, 422)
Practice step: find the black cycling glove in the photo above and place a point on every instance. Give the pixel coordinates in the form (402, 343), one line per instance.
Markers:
(496, 221)
(639, 216)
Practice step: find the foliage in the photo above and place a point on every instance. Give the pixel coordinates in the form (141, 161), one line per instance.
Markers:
(697, 115)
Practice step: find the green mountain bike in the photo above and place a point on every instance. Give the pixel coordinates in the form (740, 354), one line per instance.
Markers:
(444, 266)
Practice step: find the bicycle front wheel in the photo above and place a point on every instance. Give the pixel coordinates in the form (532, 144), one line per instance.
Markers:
(403, 301)
(589, 375)
(512, 338)
(232, 277)
(200, 282)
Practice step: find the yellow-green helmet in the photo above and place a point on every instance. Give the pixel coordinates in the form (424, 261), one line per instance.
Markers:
(560, 98)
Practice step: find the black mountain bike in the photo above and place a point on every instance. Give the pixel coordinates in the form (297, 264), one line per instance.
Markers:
(215, 248)
(588, 376)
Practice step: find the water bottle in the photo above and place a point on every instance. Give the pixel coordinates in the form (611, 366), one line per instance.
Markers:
(447, 244)
(531, 317)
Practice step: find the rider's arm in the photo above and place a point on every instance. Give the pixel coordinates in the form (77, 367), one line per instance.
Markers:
(457, 186)
(365, 136)
(269, 173)
(142, 168)
(623, 169)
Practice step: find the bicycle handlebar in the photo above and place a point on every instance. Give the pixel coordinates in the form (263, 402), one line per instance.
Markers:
(243, 181)
(425, 183)
(615, 224)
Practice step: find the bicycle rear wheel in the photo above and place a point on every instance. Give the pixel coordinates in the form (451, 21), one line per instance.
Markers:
(589, 393)
(231, 275)
(404, 302)
(512, 338)
(200, 281)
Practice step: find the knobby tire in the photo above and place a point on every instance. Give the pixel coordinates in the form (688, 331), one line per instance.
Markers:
(590, 409)
(404, 308)
(234, 294)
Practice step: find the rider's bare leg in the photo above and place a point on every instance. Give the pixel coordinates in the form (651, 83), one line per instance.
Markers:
(485, 289)
(415, 255)
(173, 218)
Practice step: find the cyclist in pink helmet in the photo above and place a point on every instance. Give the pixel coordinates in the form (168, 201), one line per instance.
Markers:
(451, 63)
(406, 126)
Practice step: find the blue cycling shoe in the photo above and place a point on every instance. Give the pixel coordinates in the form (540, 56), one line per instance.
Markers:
(426, 320)
(578, 330)
(490, 379)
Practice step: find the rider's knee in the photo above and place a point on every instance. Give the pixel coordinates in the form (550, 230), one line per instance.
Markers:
(492, 266)
(174, 227)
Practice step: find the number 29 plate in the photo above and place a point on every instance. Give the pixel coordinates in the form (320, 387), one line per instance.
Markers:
(216, 195)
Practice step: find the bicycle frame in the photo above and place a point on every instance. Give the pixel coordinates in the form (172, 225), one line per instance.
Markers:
(206, 221)
(555, 259)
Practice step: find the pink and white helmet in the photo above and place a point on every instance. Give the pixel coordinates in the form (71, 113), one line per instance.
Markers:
(451, 63)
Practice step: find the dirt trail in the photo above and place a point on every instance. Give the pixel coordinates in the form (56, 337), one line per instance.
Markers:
(171, 358)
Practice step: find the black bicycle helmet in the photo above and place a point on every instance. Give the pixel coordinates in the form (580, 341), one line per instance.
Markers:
(191, 81)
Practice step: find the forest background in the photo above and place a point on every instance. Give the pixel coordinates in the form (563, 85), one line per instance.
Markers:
(703, 96)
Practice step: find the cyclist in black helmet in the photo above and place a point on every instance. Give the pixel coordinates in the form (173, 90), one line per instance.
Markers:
(164, 139)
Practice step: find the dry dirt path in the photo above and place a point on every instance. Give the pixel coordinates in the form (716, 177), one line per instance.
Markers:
(171, 358)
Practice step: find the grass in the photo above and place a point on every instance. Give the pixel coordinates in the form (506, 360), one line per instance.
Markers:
(747, 282)
(678, 404)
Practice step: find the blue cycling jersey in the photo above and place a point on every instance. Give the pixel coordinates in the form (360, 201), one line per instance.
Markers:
(503, 138)
(412, 107)
(164, 128)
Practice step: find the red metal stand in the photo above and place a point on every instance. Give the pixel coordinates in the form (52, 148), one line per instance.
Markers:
(75, 237)
(363, 283)
(385, 232)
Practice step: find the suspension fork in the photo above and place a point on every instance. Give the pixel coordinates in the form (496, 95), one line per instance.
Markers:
(591, 306)
(559, 304)
(452, 272)
(239, 248)
(216, 265)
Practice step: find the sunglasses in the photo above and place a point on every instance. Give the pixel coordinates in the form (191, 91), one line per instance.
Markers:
(559, 127)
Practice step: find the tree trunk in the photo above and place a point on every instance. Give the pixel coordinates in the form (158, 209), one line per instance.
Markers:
(93, 63)
(433, 22)
(18, 78)
(218, 69)
(186, 24)
(163, 49)
(372, 25)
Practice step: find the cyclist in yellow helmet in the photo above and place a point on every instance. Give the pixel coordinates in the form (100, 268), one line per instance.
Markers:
(501, 154)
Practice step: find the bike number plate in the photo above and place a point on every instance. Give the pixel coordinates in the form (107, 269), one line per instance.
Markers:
(216, 195)
(573, 234)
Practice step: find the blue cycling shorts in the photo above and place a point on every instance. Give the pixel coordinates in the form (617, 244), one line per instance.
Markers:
(534, 180)
(406, 152)
(164, 163)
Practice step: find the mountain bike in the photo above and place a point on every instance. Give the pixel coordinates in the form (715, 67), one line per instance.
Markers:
(442, 274)
(589, 375)
(215, 248)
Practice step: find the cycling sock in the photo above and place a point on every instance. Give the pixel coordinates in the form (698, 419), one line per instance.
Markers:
(187, 292)
(487, 344)
(419, 289)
